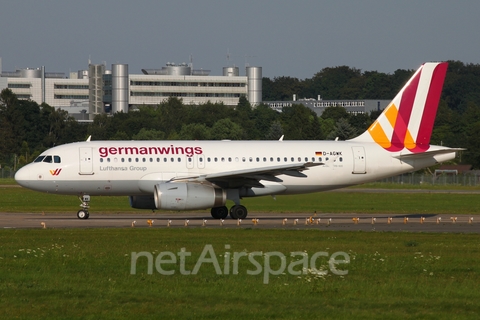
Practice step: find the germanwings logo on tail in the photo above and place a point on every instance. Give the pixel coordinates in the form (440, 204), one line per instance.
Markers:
(55, 172)
(408, 120)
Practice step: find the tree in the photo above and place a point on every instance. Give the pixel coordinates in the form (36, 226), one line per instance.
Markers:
(146, 134)
(275, 131)
(226, 129)
(297, 122)
(343, 131)
(194, 131)
(335, 112)
(12, 123)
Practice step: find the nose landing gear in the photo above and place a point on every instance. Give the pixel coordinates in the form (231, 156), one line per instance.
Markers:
(83, 213)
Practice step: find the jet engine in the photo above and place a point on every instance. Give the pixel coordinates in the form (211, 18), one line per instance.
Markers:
(188, 196)
(142, 202)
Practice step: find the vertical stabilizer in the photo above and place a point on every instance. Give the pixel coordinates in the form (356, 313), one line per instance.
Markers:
(408, 120)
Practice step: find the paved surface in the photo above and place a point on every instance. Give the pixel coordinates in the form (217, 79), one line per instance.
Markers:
(431, 223)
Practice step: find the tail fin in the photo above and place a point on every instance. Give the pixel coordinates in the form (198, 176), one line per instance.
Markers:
(408, 120)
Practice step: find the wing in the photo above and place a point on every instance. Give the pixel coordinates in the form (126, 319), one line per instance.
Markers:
(251, 177)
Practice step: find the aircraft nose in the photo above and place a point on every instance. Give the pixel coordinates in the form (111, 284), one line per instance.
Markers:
(22, 177)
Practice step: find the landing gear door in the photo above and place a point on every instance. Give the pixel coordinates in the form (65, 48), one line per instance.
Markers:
(86, 161)
(359, 160)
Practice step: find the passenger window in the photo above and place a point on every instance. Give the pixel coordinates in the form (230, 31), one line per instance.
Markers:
(285, 159)
(179, 159)
(101, 159)
(292, 159)
(243, 159)
(258, 159)
(108, 159)
(264, 159)
(278, 159)
(56, 159)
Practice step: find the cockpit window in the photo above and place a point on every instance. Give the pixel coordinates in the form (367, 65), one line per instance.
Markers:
(56, 159)
(48, 159)
(39, 159)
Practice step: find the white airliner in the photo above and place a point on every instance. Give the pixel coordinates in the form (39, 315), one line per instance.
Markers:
(191, 175)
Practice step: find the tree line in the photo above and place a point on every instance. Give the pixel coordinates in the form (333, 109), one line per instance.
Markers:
(27, 128)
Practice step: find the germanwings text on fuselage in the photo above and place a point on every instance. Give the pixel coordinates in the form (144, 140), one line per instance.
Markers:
(188, 151)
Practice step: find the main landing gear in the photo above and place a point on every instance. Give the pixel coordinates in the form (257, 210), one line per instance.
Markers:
(236, 212)
(83, 213)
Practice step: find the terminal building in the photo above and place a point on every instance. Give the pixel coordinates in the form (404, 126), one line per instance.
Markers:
(318, 105)
(99, 90)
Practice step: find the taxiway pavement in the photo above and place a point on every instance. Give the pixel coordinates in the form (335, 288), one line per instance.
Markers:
(324, 221)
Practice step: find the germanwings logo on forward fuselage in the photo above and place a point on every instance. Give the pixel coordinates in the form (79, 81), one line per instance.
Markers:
(55, 172)
(177, 150)
(408, 121)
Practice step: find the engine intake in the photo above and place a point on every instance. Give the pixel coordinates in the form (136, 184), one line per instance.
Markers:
(143, 202)
(188, 196)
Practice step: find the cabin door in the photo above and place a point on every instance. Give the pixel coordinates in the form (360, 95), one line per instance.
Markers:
(86, 161)
(359, 160)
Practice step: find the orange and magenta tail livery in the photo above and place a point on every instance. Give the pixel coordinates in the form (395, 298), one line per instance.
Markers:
(408, 120)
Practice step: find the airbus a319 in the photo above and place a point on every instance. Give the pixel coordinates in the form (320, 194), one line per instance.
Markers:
(192, 175)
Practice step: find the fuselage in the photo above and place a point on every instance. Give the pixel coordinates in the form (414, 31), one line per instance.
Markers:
(134, 167)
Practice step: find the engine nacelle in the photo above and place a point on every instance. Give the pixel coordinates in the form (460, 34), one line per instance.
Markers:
(188, 196)
(143, 202)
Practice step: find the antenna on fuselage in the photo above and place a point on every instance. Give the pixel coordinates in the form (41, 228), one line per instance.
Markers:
(281, 138)
(89, 138)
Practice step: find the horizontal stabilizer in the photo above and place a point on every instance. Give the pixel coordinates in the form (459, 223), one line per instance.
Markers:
(427, 154)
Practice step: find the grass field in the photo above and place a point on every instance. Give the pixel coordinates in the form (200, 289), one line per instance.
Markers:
(87, 274)
(23, 200)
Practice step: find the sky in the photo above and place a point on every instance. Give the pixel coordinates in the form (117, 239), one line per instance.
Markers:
(284, 37)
